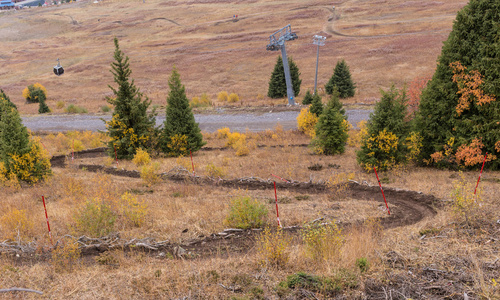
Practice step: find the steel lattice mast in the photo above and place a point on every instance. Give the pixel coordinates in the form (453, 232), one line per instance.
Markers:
(320, 41)
(277, 42)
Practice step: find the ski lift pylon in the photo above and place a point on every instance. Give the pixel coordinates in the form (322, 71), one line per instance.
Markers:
(58, 70)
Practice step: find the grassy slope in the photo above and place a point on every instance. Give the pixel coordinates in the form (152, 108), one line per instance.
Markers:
(383, 42)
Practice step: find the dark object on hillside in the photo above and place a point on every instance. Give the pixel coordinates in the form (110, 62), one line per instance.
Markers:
(316, 167)
(58, 70)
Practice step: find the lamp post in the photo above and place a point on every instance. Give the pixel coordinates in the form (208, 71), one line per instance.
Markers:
(320, 41)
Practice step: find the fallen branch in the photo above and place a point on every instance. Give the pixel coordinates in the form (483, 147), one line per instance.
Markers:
(15, 289)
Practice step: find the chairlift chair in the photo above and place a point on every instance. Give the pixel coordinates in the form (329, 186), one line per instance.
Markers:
(58, 70)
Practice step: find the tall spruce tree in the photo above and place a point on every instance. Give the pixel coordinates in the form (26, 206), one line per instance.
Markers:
(3, 95)
(131, 126)
(277, 83)
(474, 43)
(332, 127)
(384, 144)
(341, 79)
(181, 133)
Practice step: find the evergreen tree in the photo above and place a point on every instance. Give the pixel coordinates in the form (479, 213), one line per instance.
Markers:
(384, 145)
(307, 98)
(19, 155)
(316, 105)
(277, 83)
(474, 43)
(42, 107)
(332, 128)
(181, 133)
(3, 95)
(341, 79)
(131, 126)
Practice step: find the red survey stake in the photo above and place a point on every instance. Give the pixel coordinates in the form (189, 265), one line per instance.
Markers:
(276, 199)
(379, 184)
(480, 173)
(192, 163)
(47, 218)
(280, 178)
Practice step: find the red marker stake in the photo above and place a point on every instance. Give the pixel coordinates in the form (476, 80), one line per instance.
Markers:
(192, 163)
(45, 147)
(480, 174)
(388, 211)
(47, 218)
(116, 157)
(280, 178)
(277, 213)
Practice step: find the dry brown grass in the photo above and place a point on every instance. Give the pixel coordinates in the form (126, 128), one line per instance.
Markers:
(383, 43)
(173, 207)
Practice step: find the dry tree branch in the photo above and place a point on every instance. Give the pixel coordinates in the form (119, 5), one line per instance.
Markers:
(15, 289)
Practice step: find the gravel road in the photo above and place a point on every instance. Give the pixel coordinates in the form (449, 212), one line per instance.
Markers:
(208, 122)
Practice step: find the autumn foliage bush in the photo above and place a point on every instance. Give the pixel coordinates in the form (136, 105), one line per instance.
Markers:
(35, 93)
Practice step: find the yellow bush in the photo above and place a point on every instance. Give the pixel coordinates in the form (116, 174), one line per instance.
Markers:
(178, 145)
(77, 145)
(355, 139)
(223, 133)
(414, 145)
(306, 122)
(233, 98)
(66, 257)
(214, 171)
(202, 101)
(59, 104)
(32, 166)
(232, 138)
(141, 158)
(95, 218)
(223, 96)
(149, 174)
(16, 223)
(241, 148)
(273, 248)
(466, 205)
(133, 210)
(323, 241)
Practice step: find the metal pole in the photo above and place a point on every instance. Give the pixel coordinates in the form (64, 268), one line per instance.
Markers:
(320, 41)
(316, 77)
(288, 79)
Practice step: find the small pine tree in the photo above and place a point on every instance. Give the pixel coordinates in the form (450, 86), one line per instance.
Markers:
(131, 126)
(277, 83)
(341, 78)
(4, 96)
(316, 105)
(384, 145)
(307, 98)
(180, 131)
(332, 128)
(18, 155)
(42, 107)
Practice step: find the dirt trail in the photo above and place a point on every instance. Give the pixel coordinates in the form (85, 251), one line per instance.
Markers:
(407, 207)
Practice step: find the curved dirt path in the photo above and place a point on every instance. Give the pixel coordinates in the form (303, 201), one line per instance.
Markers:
(407, 207)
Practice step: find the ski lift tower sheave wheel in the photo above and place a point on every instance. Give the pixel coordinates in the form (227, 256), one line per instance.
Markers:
(58, 70)
(277, 42)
